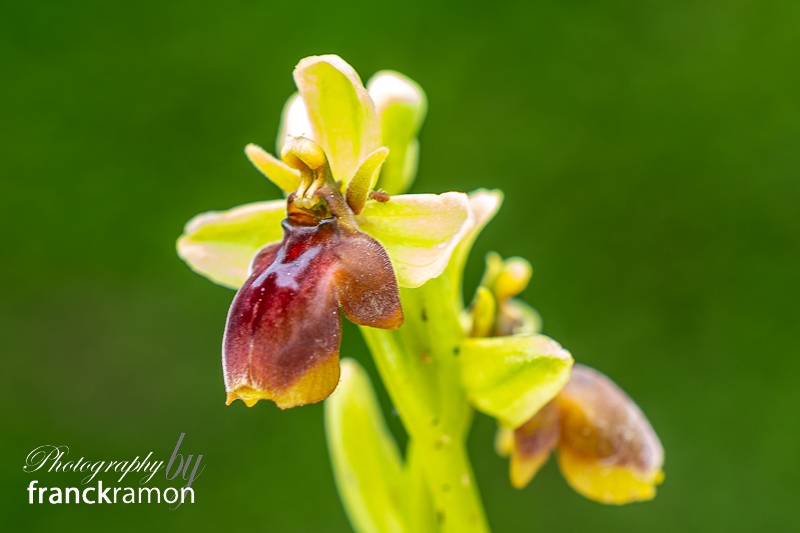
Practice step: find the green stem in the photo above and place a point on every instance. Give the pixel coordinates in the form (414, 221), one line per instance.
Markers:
(419, 366)
(452, 486)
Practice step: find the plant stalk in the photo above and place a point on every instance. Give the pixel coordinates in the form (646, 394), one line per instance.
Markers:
(419, 367)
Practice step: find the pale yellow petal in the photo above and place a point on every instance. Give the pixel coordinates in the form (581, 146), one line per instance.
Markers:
(278, 172)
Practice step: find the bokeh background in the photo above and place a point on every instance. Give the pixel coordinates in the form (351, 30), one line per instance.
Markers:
(650, 155)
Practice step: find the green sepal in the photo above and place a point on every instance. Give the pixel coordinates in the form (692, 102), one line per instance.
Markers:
(220, 244)
(340, 112)
(512, 377)
(401, 106)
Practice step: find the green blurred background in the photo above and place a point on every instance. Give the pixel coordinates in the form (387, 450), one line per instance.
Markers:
(650, 154)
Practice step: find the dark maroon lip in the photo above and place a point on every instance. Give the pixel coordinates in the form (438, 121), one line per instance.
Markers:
(284, 323)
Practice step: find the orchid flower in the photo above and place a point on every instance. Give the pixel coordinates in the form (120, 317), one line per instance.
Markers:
(607, 449)
(329, 245)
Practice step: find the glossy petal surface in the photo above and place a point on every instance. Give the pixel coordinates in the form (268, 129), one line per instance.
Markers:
(282, 336)
(283, 331)
(220, 244)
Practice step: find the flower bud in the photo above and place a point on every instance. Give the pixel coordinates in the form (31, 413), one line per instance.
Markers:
(515, 317)
(513, 278)
(503, 279)
(484, 313)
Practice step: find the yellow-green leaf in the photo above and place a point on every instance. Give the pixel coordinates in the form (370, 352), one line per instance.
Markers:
(365, 458)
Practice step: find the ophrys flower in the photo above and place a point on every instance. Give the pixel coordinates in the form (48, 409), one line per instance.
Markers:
(329, 245)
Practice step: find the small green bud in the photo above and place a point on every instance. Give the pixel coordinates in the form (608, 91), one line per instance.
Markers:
(484, 312)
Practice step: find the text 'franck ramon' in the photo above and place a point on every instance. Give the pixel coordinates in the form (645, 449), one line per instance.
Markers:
(100, 494)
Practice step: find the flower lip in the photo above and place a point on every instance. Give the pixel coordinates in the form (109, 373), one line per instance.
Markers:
(283, 329)
(607, 449)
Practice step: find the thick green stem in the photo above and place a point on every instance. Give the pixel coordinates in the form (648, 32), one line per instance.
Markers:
(419, 367)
